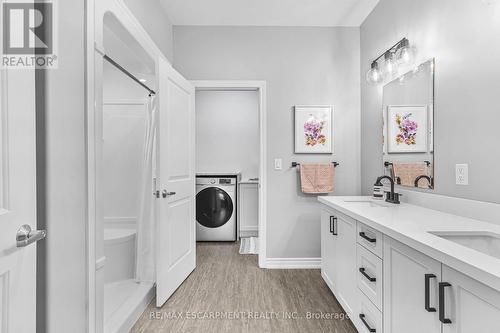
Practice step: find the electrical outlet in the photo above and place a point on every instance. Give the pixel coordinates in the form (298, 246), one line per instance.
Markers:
(462, 174)
(278, 164)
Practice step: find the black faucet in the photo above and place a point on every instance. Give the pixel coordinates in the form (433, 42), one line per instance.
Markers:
(429, 179)
(392, 196)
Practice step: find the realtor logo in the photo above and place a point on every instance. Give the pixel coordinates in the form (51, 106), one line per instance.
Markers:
(28, 34)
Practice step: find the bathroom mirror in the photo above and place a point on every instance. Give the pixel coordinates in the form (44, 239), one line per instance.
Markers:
(408, 109)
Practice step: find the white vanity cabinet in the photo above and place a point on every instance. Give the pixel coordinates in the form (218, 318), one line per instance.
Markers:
(410, 290)
(392, 276)
(469, 305)
(338, 253)
(328, 253)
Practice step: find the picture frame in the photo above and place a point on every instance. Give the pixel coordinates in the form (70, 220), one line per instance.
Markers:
(407, 129)
(313, 129)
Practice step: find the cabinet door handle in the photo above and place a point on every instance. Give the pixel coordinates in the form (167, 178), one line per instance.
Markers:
(371, 240)
(368, 277)
(362, 317)
(427, 305)
(333, 222)
(442, 317)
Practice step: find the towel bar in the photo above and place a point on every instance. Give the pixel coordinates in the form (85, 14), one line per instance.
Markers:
(388, 164)
(295, 164)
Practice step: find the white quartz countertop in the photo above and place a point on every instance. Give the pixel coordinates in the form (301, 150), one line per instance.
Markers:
(412, 225)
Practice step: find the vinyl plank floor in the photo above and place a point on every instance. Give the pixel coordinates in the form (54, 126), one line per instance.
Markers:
(228, 292)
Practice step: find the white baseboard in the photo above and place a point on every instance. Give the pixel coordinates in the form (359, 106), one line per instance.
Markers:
(249, 231)
(293, 263)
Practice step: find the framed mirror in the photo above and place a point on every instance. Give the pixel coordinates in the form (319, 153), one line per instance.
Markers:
(408, 110)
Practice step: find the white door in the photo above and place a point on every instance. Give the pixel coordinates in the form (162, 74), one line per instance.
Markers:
(410, 290)
(328, 253)
(468, 305)
(17, 201)
(176, 239)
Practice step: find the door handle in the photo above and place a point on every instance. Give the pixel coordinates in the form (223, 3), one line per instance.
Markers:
(25, 236)
(333, 221)
(368, 277)
(363, 235)
(165, 193)
(362, 317)
(427, 305)
(442, 317)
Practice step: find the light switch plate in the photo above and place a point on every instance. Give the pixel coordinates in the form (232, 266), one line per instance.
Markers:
(278, 164)
(462, 174)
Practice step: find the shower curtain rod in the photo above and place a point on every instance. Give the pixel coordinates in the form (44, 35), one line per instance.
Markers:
(117, 65)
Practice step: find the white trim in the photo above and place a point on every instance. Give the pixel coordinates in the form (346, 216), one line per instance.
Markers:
(136, 101)
(92, 261)
(261, 87)
(252, 231)
(293, 263)
(95, 11)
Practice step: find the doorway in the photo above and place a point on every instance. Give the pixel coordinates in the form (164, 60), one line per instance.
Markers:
(220, 97)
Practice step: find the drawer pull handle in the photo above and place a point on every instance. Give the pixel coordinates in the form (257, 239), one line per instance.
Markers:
(368, 277)
(442, 317)
(333, 221)
(371, 240)
(362, 317)
(427, 305)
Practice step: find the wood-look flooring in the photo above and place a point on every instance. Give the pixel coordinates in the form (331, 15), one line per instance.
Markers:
(226, 283)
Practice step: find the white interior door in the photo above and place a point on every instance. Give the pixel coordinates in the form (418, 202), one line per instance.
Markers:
(17, 201)
(176, 241)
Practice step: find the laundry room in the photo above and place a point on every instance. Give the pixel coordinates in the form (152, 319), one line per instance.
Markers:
(227, 165)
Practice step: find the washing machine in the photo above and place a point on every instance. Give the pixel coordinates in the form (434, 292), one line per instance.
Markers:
(216, 205)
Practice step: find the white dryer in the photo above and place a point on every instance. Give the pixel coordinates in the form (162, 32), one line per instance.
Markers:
(216, 203)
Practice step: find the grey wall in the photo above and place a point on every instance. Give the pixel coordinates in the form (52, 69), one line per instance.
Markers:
(301, 66)
(227, 132)
(156, 22)
(459, 35)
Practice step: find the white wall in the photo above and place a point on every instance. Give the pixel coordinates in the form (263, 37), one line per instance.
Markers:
(301, 66)
(65, 183)
(227, 132)
(459, 35)
(124, 123)
(156, 22)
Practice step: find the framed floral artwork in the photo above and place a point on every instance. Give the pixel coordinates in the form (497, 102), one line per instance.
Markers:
(407, 129)
(313, 129)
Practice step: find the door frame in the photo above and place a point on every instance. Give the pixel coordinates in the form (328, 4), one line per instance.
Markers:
(94, 48)
(261, 88)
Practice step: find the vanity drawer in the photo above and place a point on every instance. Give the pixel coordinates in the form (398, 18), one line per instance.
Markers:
(370, 238)
(368, 317)
(369, 275)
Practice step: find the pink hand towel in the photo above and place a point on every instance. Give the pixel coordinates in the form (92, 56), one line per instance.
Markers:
(317, 178)
(408, 172)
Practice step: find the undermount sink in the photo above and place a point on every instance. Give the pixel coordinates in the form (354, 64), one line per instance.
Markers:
(368, 202)
(487, 243)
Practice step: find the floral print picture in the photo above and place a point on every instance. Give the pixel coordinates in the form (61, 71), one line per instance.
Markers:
(313, 129)
(407, 129)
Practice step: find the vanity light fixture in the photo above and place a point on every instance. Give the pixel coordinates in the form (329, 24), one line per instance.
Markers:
(400, 54)
(374, 75)
(389, 64)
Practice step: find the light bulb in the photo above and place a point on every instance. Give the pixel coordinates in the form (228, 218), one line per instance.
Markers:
(374, 75)
(390, 66)
(406, 53)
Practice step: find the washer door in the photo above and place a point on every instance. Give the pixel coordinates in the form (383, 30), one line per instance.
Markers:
(214, 207)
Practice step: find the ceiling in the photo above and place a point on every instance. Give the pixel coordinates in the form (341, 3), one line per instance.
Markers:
(323, 13)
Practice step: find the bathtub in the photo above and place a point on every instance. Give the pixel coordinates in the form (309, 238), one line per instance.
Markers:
(119, 250)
